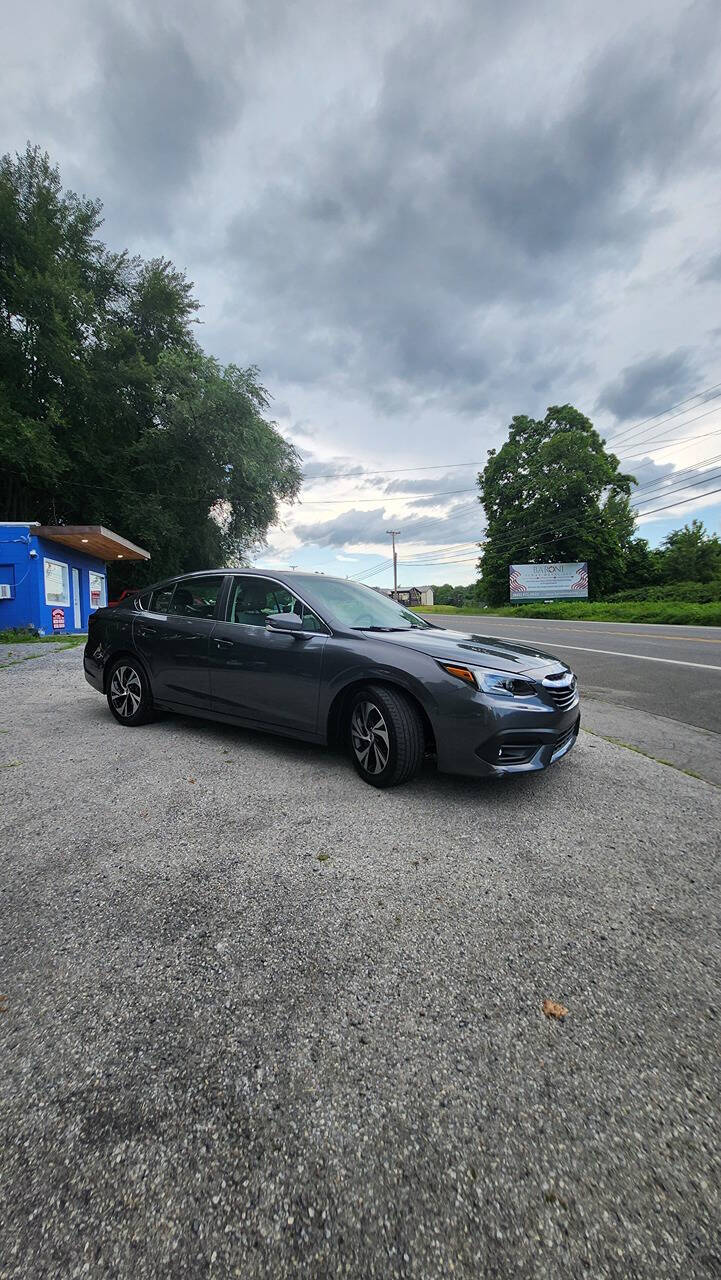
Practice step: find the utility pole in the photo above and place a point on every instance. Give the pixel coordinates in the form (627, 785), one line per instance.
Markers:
(395, 533)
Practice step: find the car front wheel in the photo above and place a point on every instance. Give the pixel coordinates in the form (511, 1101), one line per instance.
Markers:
(128, 694)
(386, 736)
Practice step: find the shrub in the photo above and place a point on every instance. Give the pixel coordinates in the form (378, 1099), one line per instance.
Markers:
(693, 592)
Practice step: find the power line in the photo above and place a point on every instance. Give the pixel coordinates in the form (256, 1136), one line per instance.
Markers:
(380, 498)
(678, 503)
(389, 471)
(686, 484)
(671, 476)
(666, 413)
(441, 554)
(674, 444)
(648, 444)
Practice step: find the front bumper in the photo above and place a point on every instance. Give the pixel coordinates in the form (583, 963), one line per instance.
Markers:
(490, 741)
(524, 751)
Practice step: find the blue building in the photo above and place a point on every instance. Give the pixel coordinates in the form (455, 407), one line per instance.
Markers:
(52, 577)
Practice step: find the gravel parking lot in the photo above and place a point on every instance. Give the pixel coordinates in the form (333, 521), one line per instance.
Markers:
(260, 1019)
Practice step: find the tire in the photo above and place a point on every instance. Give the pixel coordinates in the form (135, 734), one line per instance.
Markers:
(128, 695)
(385, 736)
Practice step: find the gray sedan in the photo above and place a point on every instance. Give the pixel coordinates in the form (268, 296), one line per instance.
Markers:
(328, 660)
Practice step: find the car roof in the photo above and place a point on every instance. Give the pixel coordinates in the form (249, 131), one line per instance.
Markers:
(288, 575)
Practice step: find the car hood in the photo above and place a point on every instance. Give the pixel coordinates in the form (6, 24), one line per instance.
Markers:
(464, 647)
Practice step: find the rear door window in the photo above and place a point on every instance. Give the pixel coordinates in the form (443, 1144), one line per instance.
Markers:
(196, 597)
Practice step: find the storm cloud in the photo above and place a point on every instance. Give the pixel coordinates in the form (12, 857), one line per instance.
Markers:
(417, 219)
(649, 386)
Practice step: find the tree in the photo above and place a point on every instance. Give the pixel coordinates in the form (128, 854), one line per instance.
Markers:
(54, 277)
(553, 493)
(642, 565)
(110, 413)
(213, 468)
(690, 554)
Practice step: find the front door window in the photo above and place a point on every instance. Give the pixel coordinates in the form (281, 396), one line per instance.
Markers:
(251, 600)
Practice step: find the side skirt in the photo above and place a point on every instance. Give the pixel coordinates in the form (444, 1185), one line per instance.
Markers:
(203, 713)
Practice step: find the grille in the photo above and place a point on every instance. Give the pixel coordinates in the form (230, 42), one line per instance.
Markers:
(563, 739)
(562, 689)
(563, 698)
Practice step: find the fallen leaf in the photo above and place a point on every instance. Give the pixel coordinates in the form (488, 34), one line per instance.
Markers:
(553, 1010)
(191, 779)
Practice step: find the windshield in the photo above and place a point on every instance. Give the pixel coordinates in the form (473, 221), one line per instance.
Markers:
(363, 608)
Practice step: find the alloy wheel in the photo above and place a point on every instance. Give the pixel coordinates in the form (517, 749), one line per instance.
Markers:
(126, 691)
(369, 735)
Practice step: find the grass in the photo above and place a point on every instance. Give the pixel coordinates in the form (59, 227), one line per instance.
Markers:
(23, 635)
(668, 612)
(628, 746)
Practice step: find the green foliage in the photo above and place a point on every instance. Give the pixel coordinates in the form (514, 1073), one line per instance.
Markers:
(553, 493)
(642, 565)
(455, 596)
(690, 554)
(110, 413)
(692, 592)
(660, 611)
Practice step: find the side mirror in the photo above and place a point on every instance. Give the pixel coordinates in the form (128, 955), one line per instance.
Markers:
(290, 623)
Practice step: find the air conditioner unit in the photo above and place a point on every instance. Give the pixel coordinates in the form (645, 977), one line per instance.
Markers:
(5, 592)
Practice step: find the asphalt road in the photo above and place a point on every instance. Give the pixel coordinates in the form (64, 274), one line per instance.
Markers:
(649, 686)
(260, 1020)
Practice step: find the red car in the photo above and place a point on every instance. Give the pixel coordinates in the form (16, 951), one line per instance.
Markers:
(129, 591)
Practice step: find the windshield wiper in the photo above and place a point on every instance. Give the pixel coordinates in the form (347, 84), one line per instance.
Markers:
(381, 628)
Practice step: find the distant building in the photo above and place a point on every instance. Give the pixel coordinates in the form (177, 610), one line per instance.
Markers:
(415, 596)
(52, 577)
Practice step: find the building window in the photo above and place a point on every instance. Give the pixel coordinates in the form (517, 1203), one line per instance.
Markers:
(98, 597)
(57, 582)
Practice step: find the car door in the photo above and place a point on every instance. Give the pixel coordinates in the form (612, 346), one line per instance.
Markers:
(260, 675)
(171, 632)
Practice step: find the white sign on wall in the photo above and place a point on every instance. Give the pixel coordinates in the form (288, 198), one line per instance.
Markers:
(548, 581)
(98, 598)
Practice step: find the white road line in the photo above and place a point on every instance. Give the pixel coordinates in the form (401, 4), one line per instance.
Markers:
(616, 653)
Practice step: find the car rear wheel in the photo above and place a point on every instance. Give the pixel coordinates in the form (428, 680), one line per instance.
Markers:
(129, 693)
(385, 732)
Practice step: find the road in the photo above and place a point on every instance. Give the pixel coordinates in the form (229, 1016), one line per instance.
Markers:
(261, 1020)
(656, 688)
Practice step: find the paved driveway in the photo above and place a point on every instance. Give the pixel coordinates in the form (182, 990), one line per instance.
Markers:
(262, 1020)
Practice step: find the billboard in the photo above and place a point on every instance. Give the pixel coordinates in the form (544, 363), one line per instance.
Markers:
(548, 581)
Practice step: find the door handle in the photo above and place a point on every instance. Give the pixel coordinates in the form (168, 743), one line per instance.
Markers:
(224, 644)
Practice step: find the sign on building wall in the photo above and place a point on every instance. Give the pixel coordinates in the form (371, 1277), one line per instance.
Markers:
(58, 617)
(548, 581)
(97, 590)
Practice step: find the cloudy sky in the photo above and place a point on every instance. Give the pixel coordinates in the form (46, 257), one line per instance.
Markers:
(418, 219)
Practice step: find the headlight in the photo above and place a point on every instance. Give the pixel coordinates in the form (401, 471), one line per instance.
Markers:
(496, 682)
(511, 686)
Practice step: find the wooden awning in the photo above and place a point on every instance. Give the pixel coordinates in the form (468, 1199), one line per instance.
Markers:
(93, 539)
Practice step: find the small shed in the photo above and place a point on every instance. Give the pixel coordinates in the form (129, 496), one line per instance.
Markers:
(52, 577)
(415, 596)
